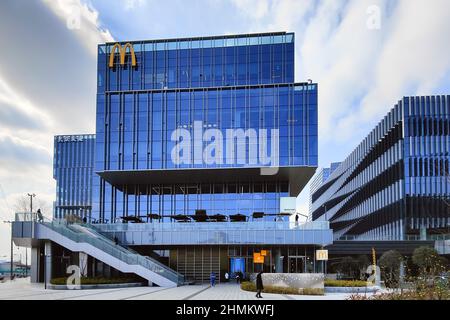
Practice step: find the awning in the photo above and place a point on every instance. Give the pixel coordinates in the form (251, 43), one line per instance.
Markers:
(297, 177)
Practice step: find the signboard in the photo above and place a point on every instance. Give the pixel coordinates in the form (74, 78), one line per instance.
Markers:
(258, 258)
(264, 253)
(78, 138)
(288, 205)
(322, 255)
(122, 53)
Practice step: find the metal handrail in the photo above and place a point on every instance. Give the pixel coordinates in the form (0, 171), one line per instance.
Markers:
(125, 249)
(116, 251)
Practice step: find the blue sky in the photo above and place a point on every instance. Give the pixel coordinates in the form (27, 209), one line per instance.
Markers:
(361, 71)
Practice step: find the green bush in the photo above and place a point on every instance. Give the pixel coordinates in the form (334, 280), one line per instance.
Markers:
(93, 281)
(345, 283)
(250, 286)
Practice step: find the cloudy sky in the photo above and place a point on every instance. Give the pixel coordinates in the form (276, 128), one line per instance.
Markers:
(365, 55)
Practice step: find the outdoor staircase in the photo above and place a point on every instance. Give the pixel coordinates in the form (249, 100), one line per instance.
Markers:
(82, 238)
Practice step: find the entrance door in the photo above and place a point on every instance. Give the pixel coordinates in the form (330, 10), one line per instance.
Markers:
(237, 265)
(296, 264)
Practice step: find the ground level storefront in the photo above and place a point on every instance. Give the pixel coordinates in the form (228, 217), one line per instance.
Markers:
(197, 263)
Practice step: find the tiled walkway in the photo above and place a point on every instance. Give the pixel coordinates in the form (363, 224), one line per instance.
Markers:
(21, 289)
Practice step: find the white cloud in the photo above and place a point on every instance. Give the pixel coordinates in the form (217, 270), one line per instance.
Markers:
(362, 73)
(255, 9)
(83, 20)
(133, 4)
(47, 87)
(414, 58)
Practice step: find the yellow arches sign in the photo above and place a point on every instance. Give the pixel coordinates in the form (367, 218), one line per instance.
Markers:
(122, 53)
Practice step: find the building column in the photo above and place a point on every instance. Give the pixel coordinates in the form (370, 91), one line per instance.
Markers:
(278, 261)
(83, 264)
(34, 265)
(48, 261)
(423, 233)
(402, 273)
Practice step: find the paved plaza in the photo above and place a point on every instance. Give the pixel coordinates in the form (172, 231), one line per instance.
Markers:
(22, 289)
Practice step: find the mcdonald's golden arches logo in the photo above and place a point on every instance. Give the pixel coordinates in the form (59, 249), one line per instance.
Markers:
(122, 53)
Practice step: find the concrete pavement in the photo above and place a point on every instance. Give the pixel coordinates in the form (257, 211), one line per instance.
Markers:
(22, 289)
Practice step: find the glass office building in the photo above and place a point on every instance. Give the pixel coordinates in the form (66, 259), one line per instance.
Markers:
(223, 83)
(73, 166)
(198, 144)
(395, 185)
(320, 178)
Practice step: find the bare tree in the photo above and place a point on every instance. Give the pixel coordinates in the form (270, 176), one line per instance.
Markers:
(22, 204)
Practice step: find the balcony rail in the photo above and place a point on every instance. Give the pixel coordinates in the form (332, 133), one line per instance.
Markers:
(214, 226)
(432, 237)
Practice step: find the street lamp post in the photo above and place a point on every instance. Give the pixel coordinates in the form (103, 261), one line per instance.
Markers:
(12, 252)
(31, 195)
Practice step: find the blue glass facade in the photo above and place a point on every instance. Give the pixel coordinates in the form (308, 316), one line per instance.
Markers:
(395, 184)
(320, 178)
(200, 62)
(73, 171)
(233, 82)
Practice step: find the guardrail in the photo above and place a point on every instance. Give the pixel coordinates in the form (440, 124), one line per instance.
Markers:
(114, 250)
(211, 226)
(433, 237)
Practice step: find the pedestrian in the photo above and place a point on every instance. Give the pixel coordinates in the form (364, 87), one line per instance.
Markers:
(116, 240)
(227, 276)
(40, 216)
(212, 279)
(238, 277)
(296, 219)
(259, 285)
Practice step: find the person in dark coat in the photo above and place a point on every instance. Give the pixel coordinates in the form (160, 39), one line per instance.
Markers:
(259, 285)
(212, 279)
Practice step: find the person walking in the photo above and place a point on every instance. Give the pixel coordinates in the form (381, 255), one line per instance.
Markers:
(259, 285)
(40, 216)
(296, 220)
(212, 279)
(227, 276)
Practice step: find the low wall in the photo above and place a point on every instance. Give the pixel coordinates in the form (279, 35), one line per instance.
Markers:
(352, 289)
(294, 280)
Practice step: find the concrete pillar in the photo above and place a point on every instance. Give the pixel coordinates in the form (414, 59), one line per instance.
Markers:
(83, 260)
(402, 273)
(278, 261)
(48, 261)
(34, 265)
(423, 233)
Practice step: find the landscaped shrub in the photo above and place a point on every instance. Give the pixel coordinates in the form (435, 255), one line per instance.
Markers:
(435, 290)
(312, 291)
(345, 283)
(93, 281)
(429, 294)
(250, 286)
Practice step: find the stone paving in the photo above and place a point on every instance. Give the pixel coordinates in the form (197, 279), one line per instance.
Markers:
(21, 289)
